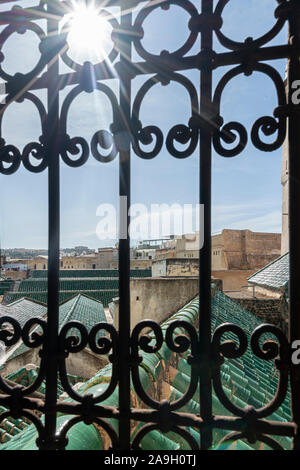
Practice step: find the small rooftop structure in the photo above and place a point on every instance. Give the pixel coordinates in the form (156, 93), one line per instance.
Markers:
(272, 278)
(23, 309)
(80, 308)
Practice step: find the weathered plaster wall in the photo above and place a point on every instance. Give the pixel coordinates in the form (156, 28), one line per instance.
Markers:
(134, 264)
(14, 274)
(175, 267)
(235, 279)
(244, 249)
(272, 311)
(260, 290)
(83, 364)
(158, 298)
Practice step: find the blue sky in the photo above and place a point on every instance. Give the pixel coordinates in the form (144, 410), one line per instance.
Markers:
(246, 189)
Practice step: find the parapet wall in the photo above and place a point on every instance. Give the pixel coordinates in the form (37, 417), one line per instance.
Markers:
(158, 298)
(274, 311)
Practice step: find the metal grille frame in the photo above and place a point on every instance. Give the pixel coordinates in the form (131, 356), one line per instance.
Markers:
(206, 127)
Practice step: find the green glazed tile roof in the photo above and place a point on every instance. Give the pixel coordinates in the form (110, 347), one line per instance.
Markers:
(25, 376)
(41, 285)
(247, 381)
(100, 273)
(80, 308)
(104, 296)
(22, 310)
(274, 276)
(5, 285)
(99, 284)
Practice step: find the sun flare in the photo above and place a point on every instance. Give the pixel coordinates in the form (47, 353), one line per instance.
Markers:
(89, 33)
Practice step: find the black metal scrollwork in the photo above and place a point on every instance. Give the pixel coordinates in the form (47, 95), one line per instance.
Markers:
(144, 342)
(72, 343)
(32, 338)
(227, 349)
(234, 436)
(249, 42)
(101, 139)
(269, 350)
(139, 31)
(268, 125)
(151, 344)
(180, 133)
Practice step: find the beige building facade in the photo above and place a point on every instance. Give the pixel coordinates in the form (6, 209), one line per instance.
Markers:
(39, 262)
(100, 260)
(244, 249)
(231, 249)
(188, 246)
(135, 264)
(156, 299)
(164, 253)
(175, 267)
(78, 262)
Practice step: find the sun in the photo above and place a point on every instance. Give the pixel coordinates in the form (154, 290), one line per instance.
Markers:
(89, 34)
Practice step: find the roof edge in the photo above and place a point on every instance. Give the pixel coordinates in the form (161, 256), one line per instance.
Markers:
(267, 265)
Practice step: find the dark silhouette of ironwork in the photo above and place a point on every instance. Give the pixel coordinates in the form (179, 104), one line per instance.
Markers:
(205, 128)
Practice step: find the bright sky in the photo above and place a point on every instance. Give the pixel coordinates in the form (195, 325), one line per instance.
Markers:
(246, 188)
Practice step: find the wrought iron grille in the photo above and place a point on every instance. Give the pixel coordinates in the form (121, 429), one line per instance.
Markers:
(206, 128)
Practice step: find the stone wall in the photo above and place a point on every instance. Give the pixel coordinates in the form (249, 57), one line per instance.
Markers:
(234, 280)
(134, 264)
(244, 249)
(157, 298)
(15, 274)
(37, 263)
(84, 364)
(267, 292)
(101, 260)
(159, 268)
(272, 311)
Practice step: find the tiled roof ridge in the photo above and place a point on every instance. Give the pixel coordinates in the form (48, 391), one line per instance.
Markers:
(69, 314)
(71, 298)
(20, 344)
(270, 264)
(15, 302)
(28, 299)
(83, 294)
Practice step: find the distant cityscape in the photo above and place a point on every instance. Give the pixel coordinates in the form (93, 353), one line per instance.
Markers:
(235, 255)
(28, 253)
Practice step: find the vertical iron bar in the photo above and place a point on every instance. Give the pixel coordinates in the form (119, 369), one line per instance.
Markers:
(124, 243)
(294, 210)
(51, 343)
(205, 251)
